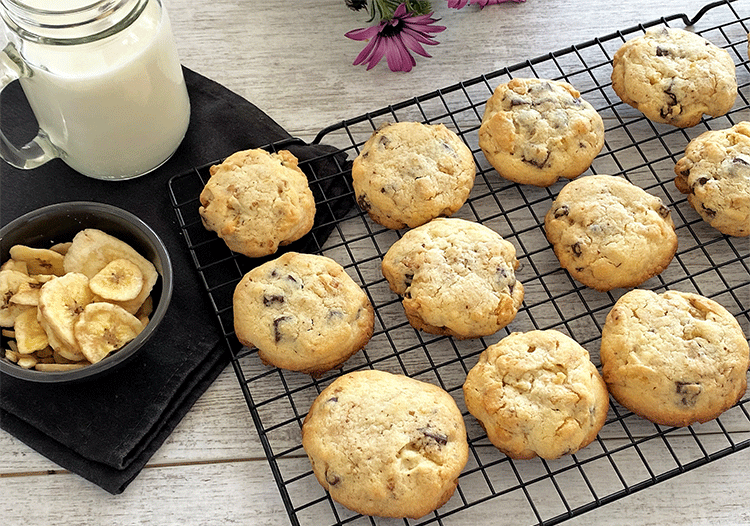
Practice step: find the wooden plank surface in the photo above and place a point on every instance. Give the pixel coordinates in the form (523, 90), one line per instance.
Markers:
(292, 60)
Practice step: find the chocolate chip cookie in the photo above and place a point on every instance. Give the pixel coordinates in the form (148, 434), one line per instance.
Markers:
(385, 444)
(675, 358)
(715, 175)
(408, 173)
(537, 394)
(303, 312)
(456, 277)
(256, 201)
(535, 131)
(609, 233)
(674, 76)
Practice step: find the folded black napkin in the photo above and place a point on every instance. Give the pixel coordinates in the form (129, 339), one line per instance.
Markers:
(106, 430)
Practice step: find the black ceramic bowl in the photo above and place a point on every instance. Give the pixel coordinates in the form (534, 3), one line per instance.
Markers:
(59, 223)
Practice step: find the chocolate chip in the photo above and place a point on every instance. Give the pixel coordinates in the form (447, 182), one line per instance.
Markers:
(667, 110)
(710, 214)
(576, 248)
(276, 332)
(662, 51)
(702, 181)
(364, 203)
(740, 160)
(335, 313)
(689, 391)
(272, 299)
(518, 101)
(561, 211)
(333, 399)
(408, 278)
(332, 478)
(384, 140)
(539, 163)
(663, 211)
(438, 437)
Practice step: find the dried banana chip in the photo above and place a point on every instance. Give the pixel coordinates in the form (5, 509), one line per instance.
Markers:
(61, 248)
(119, 280)
(10, 281)
(61, 301)
(93, 249)
(103, 328)
(39, 260)
(12, 264)
(30, 336)
(27, 294)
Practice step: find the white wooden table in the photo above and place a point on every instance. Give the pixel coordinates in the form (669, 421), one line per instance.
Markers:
(292, 60)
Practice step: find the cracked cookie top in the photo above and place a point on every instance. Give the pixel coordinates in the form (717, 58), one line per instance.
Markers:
(409, 173)
(385, 444)
(674, 76)
(715, 175)
(675, 358)
(609, 233)
(535, 131)
(537, 394)
(456, 277)
(303, 312)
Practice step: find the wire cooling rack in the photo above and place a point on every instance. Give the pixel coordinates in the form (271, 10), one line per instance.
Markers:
(630, 454)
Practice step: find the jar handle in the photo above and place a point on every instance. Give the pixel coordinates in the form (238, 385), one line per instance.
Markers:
(39, 150)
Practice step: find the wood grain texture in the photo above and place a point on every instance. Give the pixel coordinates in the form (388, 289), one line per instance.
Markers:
(293, 61)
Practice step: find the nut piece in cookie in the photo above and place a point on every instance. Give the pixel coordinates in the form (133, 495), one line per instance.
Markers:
(674, 76)
(537, 394)
(456, 277)
(256, 201)
(674, 358)
(409, 173)
(303, 312)
(715, 175)
(385, 444)
(609, 233)
(535, 131)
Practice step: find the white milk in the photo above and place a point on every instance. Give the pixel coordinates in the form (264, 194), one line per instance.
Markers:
(115, 108)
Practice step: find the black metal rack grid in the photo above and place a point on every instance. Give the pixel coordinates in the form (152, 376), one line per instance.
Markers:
(629, 454)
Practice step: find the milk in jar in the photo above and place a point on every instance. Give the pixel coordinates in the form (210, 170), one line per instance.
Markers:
(115, 107)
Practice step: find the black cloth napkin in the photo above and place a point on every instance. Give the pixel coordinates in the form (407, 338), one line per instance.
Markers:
(106, 429)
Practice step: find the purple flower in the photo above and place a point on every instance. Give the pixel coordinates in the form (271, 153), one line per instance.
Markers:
(458, 4)
(394, 38)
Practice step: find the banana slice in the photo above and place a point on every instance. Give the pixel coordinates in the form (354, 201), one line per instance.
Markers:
(119, 280)
(61, 248)
(39, 260)
(103, 328)
(10, 282)
(61, 301)
(12, 264)
(30, 336)
(92, 250)
(28, 293)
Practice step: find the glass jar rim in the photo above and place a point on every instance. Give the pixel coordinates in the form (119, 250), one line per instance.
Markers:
(92, 20)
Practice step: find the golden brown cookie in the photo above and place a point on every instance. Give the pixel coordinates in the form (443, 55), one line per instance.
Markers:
(409, 173)
(675, 358)
(535, 131)
(303, 312)
(674, 76)
(456, 277)
(715, 175)
(609, 233)
(256, 201)
(537, 394)
(385, 444)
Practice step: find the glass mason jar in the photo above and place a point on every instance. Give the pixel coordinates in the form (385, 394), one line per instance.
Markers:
(104, 82)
